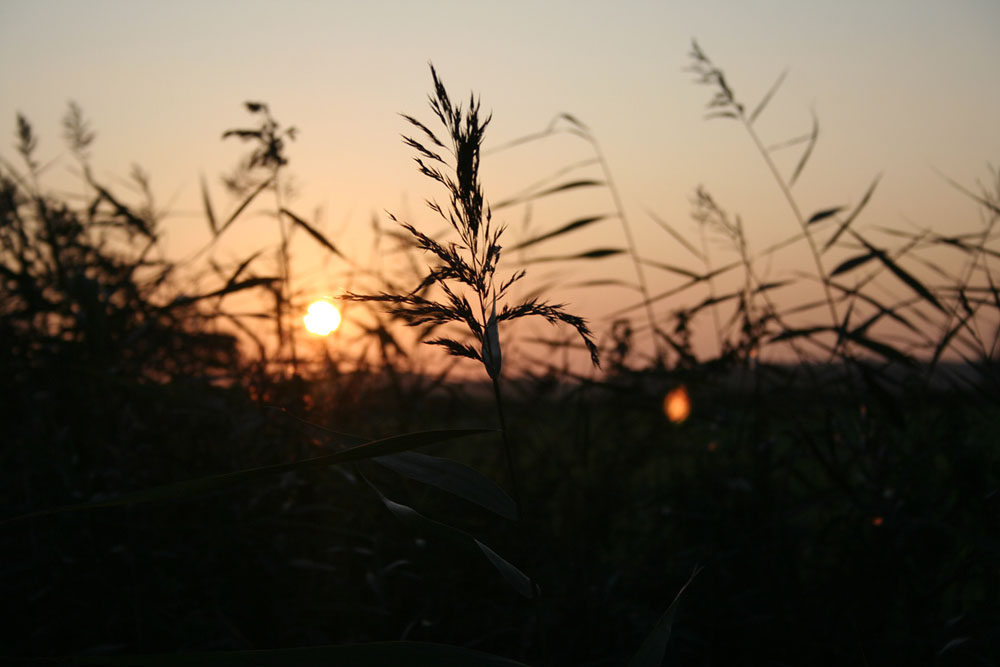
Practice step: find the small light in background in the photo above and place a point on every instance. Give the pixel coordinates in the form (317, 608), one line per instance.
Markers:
(677, 404)
(877, 521)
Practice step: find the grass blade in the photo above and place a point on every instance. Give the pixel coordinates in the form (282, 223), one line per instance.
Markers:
(768, 96)
(650, 654)
(677, 237)
(249, 283)
(208, 207)
(246, 202)
(453, 477)
(191, 487)
(813, 136)
(572, 185)
(376, 654)
(900, 273)
(565, 229)
(854, 214)
(313, 232)
(418, 522)
(824, 214)
(852, 263)
(599, 253)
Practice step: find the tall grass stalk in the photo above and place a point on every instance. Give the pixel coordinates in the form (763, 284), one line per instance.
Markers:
(468, 266)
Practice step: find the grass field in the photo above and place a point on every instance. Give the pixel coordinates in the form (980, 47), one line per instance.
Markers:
(181, 484)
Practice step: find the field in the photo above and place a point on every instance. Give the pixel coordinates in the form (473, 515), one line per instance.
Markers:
(181, 484)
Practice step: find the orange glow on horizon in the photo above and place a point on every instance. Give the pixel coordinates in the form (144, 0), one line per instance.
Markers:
(322, 318)
(677, 404)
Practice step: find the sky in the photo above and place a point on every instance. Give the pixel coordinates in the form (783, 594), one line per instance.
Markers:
(905, 89)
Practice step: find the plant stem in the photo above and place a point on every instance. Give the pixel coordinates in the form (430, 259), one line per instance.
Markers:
(786, 191)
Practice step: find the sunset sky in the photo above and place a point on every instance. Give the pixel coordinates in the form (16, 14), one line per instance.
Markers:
(902, 88)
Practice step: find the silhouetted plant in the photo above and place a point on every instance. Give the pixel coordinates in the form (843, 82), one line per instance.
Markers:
(469, 266)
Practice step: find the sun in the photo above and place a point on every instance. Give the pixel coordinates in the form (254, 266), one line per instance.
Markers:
(322, 318)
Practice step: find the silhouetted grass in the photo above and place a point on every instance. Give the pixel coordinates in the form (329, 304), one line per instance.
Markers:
(167, 499)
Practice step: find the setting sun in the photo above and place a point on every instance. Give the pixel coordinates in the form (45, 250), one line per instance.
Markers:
(322, 318)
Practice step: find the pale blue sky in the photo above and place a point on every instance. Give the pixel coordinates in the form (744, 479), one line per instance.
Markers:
(901, 87)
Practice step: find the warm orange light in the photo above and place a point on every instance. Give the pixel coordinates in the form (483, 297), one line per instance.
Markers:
(677, 404)
(877, 521)
(322, 318)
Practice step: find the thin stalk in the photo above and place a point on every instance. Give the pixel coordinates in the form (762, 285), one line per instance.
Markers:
(659, 349)
(786, 191)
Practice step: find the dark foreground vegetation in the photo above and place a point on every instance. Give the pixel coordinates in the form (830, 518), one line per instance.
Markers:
(169, 499)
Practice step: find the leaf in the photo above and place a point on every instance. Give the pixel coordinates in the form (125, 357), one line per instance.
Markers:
(246, 202)
(824, 214)
(852, 263)
(599, 253)
(313, 232)
(900, 273)
(650, 654)
(228, 289)
(208, 207)
(376, 654)
(883, 349)
(809, 149)
(453, 477)
(242, 267)
(854, 214)
(188, 488)
(571, 185)
(569, 227)
(678, 237)
(768, 96)
(418, 522)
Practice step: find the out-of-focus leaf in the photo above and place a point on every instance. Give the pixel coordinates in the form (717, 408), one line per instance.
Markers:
(599, 253)
(191, 487)
(824, 214)
(209, 213)
(854, 214)
(228, 289)
(377, 654)
(768, 96)
(246, 202)
(313, 233)
(677, 236)
(900, 273)
(418, 522)
(569, 227)
(453, 477)
(650, 654)
(813, 135)
(852, 263)
(571, 185)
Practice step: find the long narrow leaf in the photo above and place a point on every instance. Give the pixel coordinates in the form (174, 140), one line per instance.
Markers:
(569, 227)
(376, 654)
(767, 98)
(246, 202)
(418, 522)
(313, 232)
(599, 253)
(900, 273)
(188, 488)
(809, 149)
(650, 654)
(571, 185)
(249, 283)
(209, 213)
(854, 214)
(453, 477)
